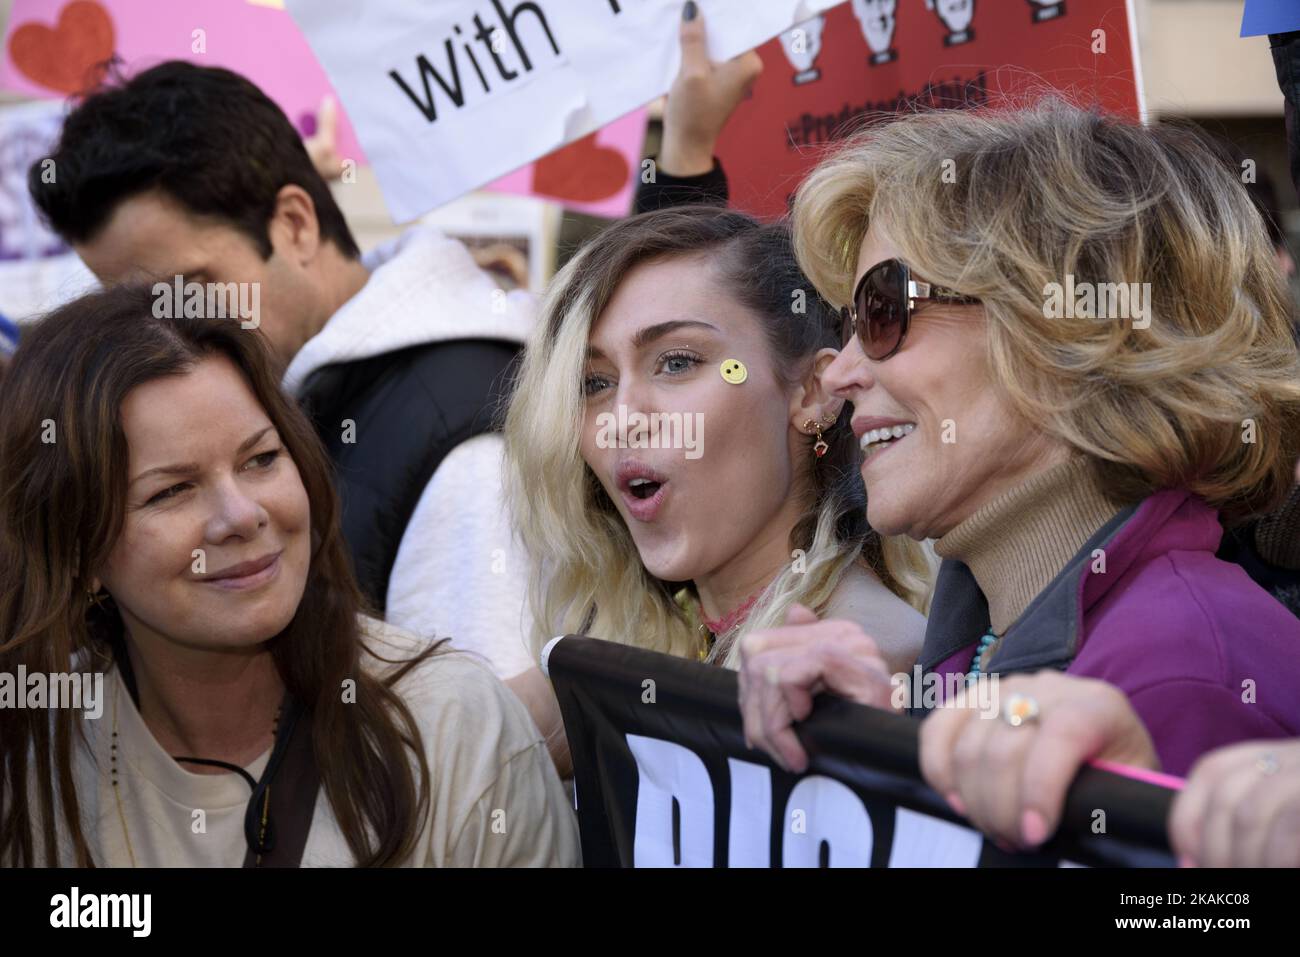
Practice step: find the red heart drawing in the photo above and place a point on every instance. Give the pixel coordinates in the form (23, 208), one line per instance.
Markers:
(69, 57)
(582, 171)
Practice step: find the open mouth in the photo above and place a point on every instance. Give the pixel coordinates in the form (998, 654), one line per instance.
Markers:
(878, 440)
(643, 488)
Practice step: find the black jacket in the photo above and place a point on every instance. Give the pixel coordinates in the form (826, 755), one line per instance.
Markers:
(1286, 61)
(408, 409)
(709, 189)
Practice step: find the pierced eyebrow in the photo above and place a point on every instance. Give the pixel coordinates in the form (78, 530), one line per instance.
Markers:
(649, 334)
(188, 468)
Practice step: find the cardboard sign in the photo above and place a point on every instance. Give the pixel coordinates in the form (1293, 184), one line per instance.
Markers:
(451, 95)
(879, 56)
(1260, 17)
(597, 174)
(27, 133)
(55, 49)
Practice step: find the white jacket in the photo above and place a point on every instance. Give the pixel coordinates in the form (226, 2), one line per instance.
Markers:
(459, 571)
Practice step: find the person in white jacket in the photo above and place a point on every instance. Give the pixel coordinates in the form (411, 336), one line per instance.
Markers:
(458, 571)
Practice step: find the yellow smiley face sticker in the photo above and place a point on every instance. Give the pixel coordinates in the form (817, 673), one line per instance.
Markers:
(734, 371)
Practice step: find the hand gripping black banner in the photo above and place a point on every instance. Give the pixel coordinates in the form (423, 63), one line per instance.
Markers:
(663, 778)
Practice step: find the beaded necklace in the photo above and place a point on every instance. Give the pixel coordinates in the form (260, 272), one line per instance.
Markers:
(987, 642)
(117, 794)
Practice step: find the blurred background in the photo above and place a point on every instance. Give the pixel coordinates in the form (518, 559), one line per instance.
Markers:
(1193, 66)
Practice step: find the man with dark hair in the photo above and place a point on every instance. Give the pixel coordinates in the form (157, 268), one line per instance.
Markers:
(401, 358)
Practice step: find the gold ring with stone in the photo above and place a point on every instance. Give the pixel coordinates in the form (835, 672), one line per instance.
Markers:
(1019, 709)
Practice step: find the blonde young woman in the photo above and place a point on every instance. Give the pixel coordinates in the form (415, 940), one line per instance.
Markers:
(693, 319)
(1073, 451)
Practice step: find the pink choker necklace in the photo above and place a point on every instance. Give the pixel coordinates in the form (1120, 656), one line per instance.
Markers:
(720, 626)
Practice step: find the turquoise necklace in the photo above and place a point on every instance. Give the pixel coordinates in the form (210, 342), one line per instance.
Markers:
(985, 644)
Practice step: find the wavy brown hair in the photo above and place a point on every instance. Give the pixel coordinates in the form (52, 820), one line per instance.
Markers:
(61, 510)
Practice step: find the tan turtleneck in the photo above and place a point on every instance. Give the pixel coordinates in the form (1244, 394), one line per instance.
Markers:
(1017, 543)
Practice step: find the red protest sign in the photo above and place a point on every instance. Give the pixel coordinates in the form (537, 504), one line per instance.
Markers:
(869, 56)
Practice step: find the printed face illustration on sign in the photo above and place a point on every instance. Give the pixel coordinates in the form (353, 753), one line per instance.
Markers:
(876, 17)
(802, 43)
(26, 136)
(1046, 9)
(956, 15)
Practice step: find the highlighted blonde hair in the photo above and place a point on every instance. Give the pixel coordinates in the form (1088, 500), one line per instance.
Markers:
(1039, 193)
(584, 556)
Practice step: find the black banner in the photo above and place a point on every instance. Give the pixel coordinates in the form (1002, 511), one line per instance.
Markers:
(664, 779)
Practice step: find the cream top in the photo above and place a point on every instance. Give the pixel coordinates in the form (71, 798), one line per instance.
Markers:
(495, 799)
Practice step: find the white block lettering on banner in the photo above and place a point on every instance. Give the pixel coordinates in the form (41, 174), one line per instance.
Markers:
(668, 771)
(450, 95)
(924, 841)
(832, 813)
(749, 833)
(820, 810)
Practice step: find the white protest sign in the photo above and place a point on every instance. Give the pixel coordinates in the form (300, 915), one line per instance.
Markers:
(447, 95)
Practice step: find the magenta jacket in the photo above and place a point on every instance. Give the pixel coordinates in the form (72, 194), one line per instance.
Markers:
(1205, 656)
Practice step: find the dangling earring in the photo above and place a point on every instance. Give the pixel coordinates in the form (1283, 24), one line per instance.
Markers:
(820, 447)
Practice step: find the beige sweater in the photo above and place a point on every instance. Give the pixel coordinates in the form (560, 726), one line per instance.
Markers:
(1017, 543)
(496, 800)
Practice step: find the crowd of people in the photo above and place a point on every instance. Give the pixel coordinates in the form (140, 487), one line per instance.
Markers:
(316, 555)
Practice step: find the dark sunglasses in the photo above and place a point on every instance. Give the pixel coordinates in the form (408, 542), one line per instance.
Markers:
(882, 307)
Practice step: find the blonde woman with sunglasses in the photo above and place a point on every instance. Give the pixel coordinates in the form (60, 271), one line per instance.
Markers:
(1088, 338)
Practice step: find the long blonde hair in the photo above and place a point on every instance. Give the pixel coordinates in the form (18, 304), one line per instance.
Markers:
(1000, 204)
(583, 555)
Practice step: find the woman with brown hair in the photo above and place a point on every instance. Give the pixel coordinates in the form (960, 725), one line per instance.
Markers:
(167, 518)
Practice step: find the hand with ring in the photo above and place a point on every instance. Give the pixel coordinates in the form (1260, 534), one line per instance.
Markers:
(783, 669)
(1240, 808)
(1009, 775)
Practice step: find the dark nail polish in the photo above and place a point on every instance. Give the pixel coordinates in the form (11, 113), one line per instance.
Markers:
(690, 10)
